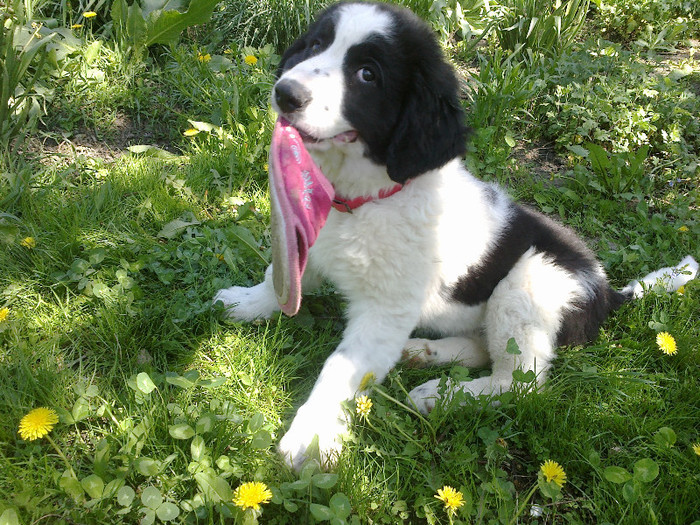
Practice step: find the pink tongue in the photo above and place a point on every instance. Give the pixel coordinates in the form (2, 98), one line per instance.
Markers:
(300, 198)
(347, 136)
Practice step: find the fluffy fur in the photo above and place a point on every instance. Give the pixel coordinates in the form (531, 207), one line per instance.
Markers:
(369, 90)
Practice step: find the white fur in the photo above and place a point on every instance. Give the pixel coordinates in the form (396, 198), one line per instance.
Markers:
(394, 258)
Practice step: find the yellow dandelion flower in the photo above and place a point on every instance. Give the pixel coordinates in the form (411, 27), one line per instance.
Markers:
(4, 313)
(76, 26)
(89, 14)
(28, 242)
(250, 495)
(681, 290)
(37, 423)
(251, 60)
(453, 499)
(696, 448)
(203, 58)
(190, 132)
(367, 380)
(683, 228)
(666, 343)
(552, 471)
(363, 406)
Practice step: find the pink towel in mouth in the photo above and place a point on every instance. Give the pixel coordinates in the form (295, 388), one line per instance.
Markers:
(300, 198)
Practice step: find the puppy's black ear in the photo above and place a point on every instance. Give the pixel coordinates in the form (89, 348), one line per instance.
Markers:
(431, 130)
(291, 56)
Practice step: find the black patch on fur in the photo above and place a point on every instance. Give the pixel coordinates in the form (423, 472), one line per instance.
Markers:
(321, 32)
(527, 228)
(374, 108)
(416, 123)
(582, 321)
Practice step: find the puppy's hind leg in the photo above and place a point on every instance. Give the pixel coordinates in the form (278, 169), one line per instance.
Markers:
(466, 351)
(532, 342)
(528, 306)
(469, 352)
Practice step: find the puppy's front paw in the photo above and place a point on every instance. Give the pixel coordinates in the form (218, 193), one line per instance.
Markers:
(248, 304)
(295, 444)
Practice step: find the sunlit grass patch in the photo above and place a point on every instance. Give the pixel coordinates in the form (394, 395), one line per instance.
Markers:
(109, 264)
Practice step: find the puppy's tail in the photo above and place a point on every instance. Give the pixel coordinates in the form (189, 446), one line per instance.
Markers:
(668, 279)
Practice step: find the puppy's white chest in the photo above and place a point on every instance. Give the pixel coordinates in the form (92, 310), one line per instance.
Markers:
(367, 249)
(346, 242)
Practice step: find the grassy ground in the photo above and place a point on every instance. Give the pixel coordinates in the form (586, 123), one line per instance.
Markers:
(110, 257)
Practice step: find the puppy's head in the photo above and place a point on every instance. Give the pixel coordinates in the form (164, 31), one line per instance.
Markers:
(373, 73)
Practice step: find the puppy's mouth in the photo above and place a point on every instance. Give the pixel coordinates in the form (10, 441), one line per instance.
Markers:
(346, 137)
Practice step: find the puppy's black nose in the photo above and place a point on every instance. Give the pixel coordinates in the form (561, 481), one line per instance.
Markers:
(291, 96)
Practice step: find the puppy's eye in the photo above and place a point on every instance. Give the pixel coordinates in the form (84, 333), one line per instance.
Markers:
(316, 45)
(366, 75)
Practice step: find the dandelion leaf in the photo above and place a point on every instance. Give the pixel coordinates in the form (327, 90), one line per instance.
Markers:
(165, 26)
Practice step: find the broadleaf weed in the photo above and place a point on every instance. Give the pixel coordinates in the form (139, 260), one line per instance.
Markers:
(165, 410)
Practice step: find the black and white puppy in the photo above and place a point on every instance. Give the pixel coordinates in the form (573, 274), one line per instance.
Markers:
(427, 245)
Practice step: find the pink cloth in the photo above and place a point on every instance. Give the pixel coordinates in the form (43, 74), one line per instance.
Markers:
(300, 198)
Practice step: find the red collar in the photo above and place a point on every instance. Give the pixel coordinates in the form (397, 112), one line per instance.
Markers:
(345, 205)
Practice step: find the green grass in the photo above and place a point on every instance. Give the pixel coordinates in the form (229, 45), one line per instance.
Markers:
(165, 408)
